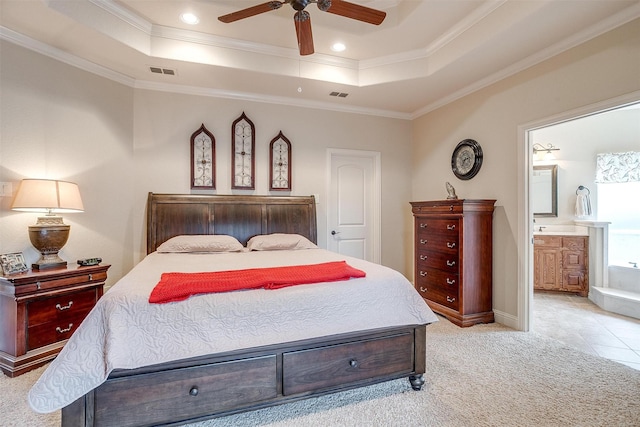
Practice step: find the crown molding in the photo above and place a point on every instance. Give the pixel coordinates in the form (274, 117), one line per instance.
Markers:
(468, 22)
(57, 54)
(124, 14)
(189, 36)
(621, 18)
(269, 99)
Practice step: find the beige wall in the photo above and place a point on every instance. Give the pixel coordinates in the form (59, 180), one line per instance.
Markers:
(165, 121)
(604, 68)
(59, 122)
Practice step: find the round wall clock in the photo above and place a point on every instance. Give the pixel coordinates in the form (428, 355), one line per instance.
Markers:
(466, 159)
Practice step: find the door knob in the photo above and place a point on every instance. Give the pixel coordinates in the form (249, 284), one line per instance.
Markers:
(334, 232)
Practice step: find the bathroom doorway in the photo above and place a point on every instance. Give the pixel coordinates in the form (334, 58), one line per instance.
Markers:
(579, 136)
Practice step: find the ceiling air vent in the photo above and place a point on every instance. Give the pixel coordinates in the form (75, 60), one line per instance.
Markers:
(339, 94)
(160, 70)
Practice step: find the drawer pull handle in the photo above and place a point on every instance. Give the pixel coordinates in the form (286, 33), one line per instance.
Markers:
(423, 289)
(451, 226)
(38, 285)
(451, 208)
(423, 241)
(90, 277)
(423, 273)
(66, 307)
(451, 245)
(423, 257)
(450, 263)
(353, 363)
(450, 282)
(193, 391)
(423, 225)
(449, 299)
(65, 330)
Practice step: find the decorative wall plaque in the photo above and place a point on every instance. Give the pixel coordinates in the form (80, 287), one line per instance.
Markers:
(280, 159)
(203, 159)
(242, 153)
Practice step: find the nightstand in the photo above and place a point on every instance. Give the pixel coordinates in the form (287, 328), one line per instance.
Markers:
(39, 310)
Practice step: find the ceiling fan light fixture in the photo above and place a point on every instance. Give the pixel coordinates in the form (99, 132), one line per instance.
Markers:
(338, 47)
(189, 18)
(302, 18)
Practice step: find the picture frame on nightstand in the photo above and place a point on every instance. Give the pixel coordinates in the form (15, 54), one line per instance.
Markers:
(13, 263)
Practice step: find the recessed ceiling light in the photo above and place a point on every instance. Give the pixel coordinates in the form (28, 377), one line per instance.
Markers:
(338, 47)
(189, 18)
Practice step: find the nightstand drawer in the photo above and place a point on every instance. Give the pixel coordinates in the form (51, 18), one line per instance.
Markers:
(54, 331)
(61, 307)
(79, 277)
(324, 367)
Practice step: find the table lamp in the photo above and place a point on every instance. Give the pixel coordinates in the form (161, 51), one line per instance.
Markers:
(49, 234)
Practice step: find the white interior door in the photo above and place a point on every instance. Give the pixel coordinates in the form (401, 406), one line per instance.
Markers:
(353, 209)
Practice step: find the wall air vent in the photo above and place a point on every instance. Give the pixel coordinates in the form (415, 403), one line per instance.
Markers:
(160, 70)
(339, 94)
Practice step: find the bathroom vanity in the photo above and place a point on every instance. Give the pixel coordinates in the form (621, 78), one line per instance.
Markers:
(561, 263)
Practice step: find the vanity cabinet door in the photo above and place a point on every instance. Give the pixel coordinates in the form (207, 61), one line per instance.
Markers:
(547, 269)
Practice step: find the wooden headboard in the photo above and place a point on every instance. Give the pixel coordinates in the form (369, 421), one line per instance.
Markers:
(243, 217)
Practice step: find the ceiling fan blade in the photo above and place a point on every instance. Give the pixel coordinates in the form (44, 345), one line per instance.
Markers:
(251, 11)
(302, 20)
(355, 11)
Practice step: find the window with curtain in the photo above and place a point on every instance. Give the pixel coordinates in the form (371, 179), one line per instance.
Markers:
(618, 180)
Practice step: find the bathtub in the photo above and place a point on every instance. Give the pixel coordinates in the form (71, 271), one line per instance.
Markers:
(625, 278)
(622, 295)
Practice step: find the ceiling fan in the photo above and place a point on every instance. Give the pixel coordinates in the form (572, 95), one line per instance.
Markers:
(302, 19)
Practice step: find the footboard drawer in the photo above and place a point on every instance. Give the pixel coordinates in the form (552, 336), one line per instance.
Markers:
(324, 367)
(181, 394)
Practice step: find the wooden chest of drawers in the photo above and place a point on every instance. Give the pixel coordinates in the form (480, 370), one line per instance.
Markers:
(40, 310)
(453, 258)
(561, 263)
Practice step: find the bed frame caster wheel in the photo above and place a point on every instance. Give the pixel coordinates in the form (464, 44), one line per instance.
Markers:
(417, 381)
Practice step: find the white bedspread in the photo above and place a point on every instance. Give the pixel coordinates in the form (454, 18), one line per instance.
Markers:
(125, 331)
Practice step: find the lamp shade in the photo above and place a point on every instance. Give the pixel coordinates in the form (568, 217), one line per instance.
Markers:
(46, 195)
(50, 233)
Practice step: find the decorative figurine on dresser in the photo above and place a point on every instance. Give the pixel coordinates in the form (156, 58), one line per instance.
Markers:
(39, 310)
(453, 257)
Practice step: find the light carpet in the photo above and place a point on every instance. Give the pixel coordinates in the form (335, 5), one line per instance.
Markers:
(486, 375)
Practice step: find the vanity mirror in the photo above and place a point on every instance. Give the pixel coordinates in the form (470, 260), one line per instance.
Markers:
(544, 191)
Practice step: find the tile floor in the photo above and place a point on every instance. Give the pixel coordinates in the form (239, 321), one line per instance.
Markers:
(578, 322)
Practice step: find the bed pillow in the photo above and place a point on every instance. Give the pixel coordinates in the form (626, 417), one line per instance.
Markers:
(201, 243)
(279, 241)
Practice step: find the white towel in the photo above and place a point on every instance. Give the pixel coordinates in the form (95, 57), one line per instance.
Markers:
(583, 206)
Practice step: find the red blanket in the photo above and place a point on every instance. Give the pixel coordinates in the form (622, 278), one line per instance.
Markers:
(180, 286)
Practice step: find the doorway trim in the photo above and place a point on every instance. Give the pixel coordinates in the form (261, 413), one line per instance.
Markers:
(525, 171)
(376, 203)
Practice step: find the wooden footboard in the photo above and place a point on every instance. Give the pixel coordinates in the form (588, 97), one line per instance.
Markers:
(196, 389)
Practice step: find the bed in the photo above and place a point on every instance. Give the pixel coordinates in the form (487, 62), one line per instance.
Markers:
(132, 363)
